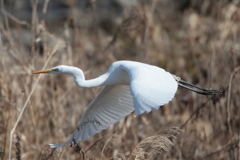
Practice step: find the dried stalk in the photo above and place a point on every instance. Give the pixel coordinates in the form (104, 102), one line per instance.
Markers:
(229, 98)
(28, 98)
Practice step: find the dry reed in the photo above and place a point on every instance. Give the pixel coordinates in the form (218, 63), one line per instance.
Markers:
(198, 41)
(150, 147)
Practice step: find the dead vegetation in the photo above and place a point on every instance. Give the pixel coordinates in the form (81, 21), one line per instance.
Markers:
(153, 146)
(197, 40)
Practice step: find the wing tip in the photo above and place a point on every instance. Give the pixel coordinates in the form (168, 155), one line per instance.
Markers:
(56, 146)
(140, 112)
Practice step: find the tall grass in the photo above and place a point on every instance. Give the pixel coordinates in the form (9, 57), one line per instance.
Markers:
(198, 42)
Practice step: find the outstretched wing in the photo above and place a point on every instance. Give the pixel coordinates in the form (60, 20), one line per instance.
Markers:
(150, 86)
(113, 103)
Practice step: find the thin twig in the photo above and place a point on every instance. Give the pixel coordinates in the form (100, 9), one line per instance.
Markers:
(28, 98)
(12, 17)
(5, 17)
(229, 145)
(114, 39)
(5, 139)
(34, 24)
(92, 145)
(238, 144)
(229, 98)
(197, 110)
(149, 16)
(45, 6)
(14, 51)
(106, 144)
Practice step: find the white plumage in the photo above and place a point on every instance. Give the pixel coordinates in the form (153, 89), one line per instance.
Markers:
(129, 86)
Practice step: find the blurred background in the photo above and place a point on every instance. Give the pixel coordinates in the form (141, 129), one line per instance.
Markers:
(197, 40)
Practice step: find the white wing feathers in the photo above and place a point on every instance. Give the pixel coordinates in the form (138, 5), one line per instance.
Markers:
(112, 104)
(150, 87)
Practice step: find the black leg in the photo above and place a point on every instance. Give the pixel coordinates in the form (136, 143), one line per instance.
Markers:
(199, 90)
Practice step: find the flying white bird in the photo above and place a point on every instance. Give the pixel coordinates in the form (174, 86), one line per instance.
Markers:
(129, 86)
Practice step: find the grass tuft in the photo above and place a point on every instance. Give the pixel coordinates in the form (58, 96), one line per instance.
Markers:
(197, 41)
(152, 146)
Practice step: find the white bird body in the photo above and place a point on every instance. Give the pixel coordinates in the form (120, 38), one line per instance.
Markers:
(129, 86)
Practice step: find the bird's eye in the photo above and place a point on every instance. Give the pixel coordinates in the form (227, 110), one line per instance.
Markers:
(55, 70)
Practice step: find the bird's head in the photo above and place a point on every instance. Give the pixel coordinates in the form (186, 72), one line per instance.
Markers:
(62, 69)
(57, 69)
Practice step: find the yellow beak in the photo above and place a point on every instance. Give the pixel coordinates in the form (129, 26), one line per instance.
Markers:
(44, 71)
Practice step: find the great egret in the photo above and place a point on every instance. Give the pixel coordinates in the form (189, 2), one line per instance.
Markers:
(129, 86)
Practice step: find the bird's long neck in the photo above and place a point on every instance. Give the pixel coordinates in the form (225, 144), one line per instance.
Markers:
(99, 81)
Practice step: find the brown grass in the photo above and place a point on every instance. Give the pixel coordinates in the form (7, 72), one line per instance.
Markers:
(197, 41)
(153, 146)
